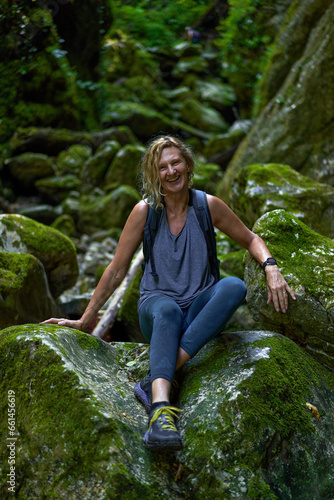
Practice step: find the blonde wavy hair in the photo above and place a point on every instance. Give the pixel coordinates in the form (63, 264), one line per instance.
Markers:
(150, 178)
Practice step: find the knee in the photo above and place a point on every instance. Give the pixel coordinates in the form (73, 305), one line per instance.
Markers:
(236, 287)
(169, 311)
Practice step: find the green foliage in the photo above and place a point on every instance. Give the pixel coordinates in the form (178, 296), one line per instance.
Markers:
(244, 46)
(156, 22)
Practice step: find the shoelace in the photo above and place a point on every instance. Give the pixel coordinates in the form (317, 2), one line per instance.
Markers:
(169, 412)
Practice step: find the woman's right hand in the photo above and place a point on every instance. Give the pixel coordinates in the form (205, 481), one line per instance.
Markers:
(76, 324)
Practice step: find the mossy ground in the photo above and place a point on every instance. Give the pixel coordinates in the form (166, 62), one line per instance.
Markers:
(262, 426)
(65, 425)
(79, 427)
(300, 251)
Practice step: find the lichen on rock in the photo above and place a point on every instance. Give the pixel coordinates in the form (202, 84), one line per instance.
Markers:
(260, 188)
(245, 424)
(306, 261)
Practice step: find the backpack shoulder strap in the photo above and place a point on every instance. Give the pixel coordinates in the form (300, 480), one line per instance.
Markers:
(200, 203)
(150, 231)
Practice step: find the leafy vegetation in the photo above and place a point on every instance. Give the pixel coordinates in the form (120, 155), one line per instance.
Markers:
(156, 22)
(244, 46)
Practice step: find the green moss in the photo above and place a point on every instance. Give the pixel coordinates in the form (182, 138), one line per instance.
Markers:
(85, 340)
(99, 271)
(128, 310)
(258, 489)
(14, 269)
(39, 379)
(298, 249)
(276, 174)
(233, 264)
(257, 413)
(276, 394)
(69, 436)
(37, 237)
(263, 187)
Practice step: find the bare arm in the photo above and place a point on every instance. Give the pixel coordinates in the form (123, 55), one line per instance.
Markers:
(131, 237)
(226, 221)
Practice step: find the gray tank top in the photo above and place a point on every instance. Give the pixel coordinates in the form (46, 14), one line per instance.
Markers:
(181, 262)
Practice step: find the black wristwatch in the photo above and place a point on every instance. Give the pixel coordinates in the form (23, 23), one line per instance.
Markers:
(269, 262)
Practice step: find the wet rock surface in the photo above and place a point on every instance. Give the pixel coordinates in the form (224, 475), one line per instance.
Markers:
(245, 424)
(306, 261)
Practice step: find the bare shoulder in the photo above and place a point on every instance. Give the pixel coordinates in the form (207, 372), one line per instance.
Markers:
(133, 232)
(139, 213)
(135, 224)
(224, 219)
(218, 209)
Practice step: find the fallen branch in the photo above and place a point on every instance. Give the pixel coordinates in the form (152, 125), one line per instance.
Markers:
(109, 317)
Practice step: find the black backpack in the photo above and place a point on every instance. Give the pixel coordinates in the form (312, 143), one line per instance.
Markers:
(199, 201)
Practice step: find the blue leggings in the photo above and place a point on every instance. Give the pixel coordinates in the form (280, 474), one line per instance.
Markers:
(167, 327)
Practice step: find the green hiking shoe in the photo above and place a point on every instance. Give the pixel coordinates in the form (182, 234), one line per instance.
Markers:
(162, 433)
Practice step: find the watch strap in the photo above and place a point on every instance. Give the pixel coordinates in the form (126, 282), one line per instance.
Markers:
(269, 262)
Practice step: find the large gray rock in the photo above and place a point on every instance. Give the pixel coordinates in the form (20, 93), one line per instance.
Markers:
(306, 261)
(262, 188)
(247, 430)
(54, 250)
(294, 127)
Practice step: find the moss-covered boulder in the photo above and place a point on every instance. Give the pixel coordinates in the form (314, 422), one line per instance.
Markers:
(306, 261)
(216, 93)
(207, 176)
(24, 290)
(27, 168)
(95, 168)
(138, 89)
(229, 140)
(142, 120)
(54, 250)
(55, 189)
(246, 426)
(262, 188)
(247, 430)
(106, 212)
(128, 321)
(71, 160)
(202, 116)
(125, 166)
(301, 17)
(44, 213)
(124, 57)
(190, 64)
(293, 128)
(52, 141)
(39, 94)
(232, 264)
(65, 224)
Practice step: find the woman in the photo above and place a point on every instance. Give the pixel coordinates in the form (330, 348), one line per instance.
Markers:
(181, 306)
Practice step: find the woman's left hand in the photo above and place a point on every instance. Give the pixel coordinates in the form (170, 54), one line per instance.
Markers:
(278, 289)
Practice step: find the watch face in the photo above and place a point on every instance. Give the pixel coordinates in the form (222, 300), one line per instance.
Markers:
(271, 260)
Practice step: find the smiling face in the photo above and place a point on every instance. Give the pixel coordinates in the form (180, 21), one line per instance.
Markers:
(173, 171)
